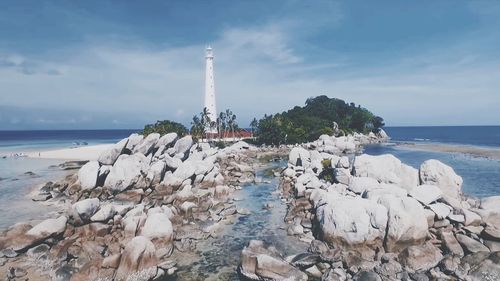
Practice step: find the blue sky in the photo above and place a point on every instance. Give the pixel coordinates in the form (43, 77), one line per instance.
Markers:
(121, 64)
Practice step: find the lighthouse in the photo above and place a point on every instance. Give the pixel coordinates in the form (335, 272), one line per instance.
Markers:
(210, 89)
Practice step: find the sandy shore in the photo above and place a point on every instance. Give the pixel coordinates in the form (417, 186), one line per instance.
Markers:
(91, 152)
(465, 149)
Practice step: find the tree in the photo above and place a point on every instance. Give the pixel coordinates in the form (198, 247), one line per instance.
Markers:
(307, 123)
(165, 127)
(254, 125)
(197, 129)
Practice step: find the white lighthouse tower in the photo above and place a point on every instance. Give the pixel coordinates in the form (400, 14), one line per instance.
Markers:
(210, 89)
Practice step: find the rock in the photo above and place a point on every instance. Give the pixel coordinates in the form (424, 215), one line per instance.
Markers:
(133, 140)
(156, 173)
(127, 172)
(386, 169)
(487, 270)
(146, 146)
(343, 162)
(105, 213)
(85, 209)
(384, 189)
(361, 184)
(109, 156)
(138, 256)
(407, 222)
(167, 140)
(112, 261)
(451, 243)
(471, 218)
(436, 173)
(299, 157)
(367, 276)
(490, 210)
(38, 251)
(471, 245)
(426, 194)
(456, 218)
(183, 145)
(340, 223)
(49, 228)
(261, 263)
(441, 210)
(491, 233)
(87, 175)
(421, 257)
(158, 225)
(103, 173)
(342, 176)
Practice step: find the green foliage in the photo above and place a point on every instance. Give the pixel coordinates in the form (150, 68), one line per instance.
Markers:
(326, 163)
(220, 144)
(165, 127)
(307, 123)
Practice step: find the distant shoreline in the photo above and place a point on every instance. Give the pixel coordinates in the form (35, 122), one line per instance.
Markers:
(90, 152)
(490, 153)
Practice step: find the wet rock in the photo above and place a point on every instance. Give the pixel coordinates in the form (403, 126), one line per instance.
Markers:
(262, 263)
(421, 257)
(138, 256)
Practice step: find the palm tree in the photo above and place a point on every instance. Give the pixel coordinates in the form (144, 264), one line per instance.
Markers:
(222, 124)
(229, 115)
(205, 121)
(254, 125)
(234, 125)
(196, 128)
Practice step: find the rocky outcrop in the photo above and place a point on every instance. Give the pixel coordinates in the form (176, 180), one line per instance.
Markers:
(436, 173)
(259, 262)
(138, 259)
(127, 172)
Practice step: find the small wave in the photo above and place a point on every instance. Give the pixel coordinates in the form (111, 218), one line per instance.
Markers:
(420, 139)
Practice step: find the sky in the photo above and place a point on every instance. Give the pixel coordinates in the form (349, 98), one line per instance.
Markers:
(99, 64)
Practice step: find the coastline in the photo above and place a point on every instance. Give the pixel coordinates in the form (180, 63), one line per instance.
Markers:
(476, 151)
(89, 153)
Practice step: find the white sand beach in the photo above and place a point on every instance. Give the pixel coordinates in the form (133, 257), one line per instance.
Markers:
(91, 152)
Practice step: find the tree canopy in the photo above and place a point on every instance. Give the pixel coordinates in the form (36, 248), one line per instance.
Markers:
(317, 117)
(164, 127)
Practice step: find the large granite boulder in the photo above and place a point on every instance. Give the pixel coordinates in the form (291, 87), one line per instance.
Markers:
(109, 156)
(86, 208)
(426, 194)
(147, 145)
(183, 145)
(156, 172)
(436, 173)
(299, 157)
(259, 262)
(489, 210)
(339, 223)
(87, 175)
(386, 169)
(420, 258)
(158, 225)
(139, 256)
(407, 222)
(133, 140)
(49, 228)
(167, 140)
(127, 172)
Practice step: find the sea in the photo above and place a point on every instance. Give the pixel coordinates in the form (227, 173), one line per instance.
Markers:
(20, 175)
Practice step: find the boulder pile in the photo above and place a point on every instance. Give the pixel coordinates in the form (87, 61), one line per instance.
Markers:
(376, 218)
(129, 211)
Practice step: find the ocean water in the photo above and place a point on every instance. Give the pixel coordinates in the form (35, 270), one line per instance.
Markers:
(481, 175)
(481, 136)
(19, 175)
